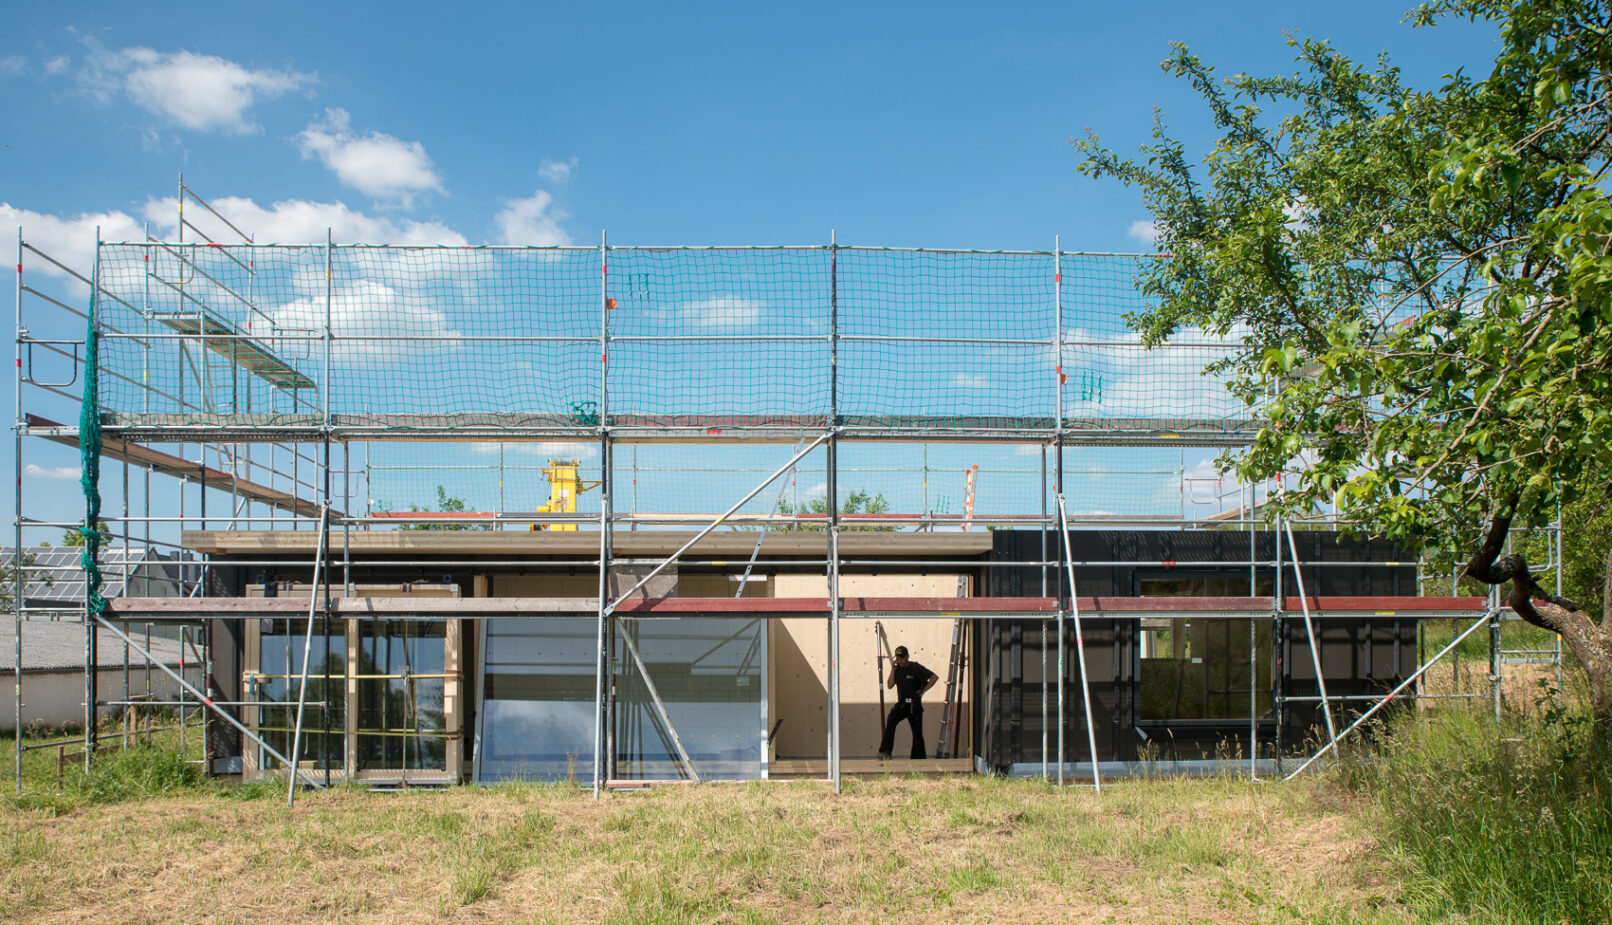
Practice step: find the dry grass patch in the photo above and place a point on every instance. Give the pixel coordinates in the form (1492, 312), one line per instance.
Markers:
(960, 850)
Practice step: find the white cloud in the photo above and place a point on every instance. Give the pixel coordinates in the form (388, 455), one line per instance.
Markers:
(366, 308)
(557, 171)
(1115, 377)
(723, 312)
(12, 65)
(531, 221)
(297, 221)
(57, 65)
(69, 240)
(1205, 469)
(969, 381)
(55, 472)
(1145, 231)
(198, 92)
(151, 140)
(388, 169)
(544, 449)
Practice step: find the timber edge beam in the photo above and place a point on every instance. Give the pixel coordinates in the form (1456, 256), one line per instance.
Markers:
(391, 608)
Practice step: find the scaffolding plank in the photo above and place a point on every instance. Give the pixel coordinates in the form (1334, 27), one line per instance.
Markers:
(230, 343)
(686, 428)
(954, 607)
(167, 464)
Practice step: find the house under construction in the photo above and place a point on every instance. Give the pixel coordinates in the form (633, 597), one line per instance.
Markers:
(626, 514)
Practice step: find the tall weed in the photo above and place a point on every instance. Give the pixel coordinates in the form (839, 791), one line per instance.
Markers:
(140, 772)
(1499, 822)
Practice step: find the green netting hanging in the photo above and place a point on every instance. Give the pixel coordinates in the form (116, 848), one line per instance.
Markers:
(89, 442)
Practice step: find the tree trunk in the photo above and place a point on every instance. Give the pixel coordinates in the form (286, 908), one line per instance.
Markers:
(1591, 644)
(1589, 641)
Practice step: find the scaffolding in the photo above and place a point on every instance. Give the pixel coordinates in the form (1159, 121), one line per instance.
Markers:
(322, 390)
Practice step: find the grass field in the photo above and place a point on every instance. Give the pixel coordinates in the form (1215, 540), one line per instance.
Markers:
(909, 850)
(1449, 817)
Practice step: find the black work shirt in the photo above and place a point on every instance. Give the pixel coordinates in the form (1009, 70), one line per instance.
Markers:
(910, 680)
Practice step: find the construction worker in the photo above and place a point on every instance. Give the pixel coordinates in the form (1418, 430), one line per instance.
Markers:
(910, 680)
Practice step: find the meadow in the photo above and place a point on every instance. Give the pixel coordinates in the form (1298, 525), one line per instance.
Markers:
(1450, 818)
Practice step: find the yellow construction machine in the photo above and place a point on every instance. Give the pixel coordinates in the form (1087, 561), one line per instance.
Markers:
(564, 485)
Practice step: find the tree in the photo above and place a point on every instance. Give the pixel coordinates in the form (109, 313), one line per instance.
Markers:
(448, 505)
(1420, 281)
(857, 502)
(73, 536)
(1587, 530)
(9, 573)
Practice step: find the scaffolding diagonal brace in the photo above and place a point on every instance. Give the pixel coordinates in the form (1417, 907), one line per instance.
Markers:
(717, 522)
(660, 708)
(206, 701)
(1309, 632)
(1080, 641)
(307, 648)
(1389, 697)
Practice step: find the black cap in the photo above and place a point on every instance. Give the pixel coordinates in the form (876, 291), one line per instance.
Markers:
(901, 651)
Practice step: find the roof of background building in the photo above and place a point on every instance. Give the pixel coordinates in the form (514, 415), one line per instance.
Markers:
(54, 573)
(56, 645)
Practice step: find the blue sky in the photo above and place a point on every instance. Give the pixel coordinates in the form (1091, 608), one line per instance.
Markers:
(944, 125)
(941, 125)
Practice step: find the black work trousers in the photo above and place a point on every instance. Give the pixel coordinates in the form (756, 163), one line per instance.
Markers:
(913, 712)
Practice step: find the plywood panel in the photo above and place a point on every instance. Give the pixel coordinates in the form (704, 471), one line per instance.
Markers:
(302, 589)
(584, 584)
(708, 584)
(800, 665)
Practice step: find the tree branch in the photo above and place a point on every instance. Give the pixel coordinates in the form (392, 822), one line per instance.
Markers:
(1482, 565)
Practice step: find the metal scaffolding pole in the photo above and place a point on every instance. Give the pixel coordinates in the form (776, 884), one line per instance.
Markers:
(1278, 642)
(1058, 487)
(18, 586)
(92, 548)
(833, 513)
(1080, 650)
(1045, 690)
(601, 655)
(324, 516)
(1253, 653)
(1309, 631)
(307, 650)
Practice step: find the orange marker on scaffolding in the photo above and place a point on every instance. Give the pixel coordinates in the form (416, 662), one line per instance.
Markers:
(969, 476)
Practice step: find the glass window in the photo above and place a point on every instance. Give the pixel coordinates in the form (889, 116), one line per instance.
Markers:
(708, 676)
(1199, 667)
(280, 645)
(536, 710)
(401, 683)
(537, 702)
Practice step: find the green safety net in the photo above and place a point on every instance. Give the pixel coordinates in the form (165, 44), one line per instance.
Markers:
(551, 344)
(89, 441)
(435, 338)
